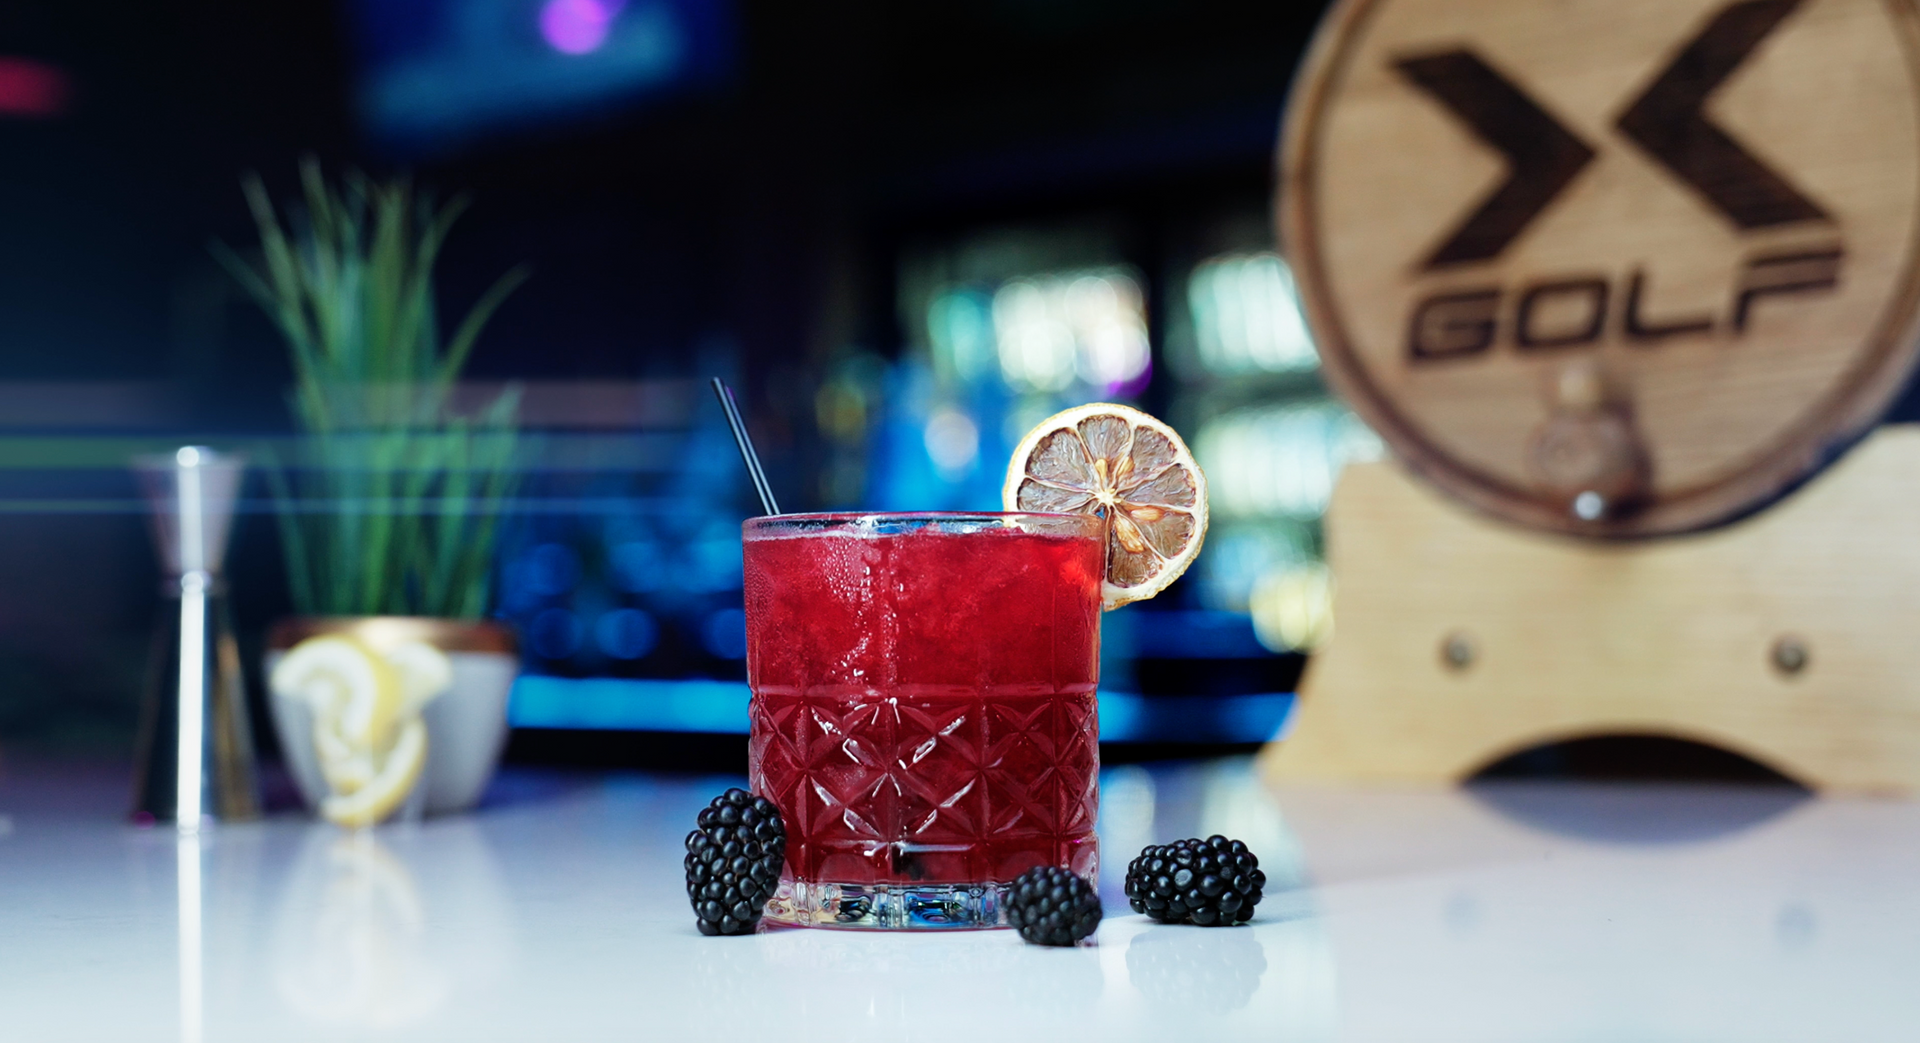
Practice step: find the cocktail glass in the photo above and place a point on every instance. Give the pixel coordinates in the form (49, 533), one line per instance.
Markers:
(923, 708)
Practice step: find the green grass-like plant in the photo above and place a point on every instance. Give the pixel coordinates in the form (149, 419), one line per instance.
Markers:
(394, 502)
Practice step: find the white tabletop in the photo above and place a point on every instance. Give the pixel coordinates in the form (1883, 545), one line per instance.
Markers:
(1510, 912)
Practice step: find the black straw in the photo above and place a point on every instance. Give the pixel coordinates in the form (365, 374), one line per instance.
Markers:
(745, 442)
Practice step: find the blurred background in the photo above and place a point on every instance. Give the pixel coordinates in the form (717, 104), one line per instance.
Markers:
(904, 233)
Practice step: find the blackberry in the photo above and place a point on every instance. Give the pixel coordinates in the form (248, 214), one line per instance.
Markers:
(733, 862)
(1051, 906)
(1214, 882)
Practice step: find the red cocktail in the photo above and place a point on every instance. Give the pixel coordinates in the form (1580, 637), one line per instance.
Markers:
(923, 708)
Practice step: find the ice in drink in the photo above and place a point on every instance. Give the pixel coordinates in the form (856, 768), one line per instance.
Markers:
(923, 707)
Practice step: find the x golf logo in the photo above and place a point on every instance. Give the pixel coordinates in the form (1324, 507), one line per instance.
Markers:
(1667, 123)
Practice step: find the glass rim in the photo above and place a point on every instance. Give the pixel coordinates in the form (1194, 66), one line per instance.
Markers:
(821, 519)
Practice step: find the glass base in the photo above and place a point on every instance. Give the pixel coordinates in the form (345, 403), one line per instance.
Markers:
(895, 907)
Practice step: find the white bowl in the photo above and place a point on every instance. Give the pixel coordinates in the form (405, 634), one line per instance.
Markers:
(466, 725)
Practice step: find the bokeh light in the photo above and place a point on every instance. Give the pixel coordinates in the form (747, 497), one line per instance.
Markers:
(31, 88)
(725, 634)
(1246, 316)
(1293, 608)
(555, 634)
(1051, 330)
(578, 26)
(953, 441)
(1281, 459)
(626, 633)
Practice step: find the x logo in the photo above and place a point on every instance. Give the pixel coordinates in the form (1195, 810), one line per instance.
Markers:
(1666, 121)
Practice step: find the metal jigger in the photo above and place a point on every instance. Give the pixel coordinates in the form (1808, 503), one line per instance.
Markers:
(196, 749)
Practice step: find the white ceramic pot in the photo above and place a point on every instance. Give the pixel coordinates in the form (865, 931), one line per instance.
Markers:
(466, 726)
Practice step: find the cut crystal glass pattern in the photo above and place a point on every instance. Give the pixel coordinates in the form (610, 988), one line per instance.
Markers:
(929, 787)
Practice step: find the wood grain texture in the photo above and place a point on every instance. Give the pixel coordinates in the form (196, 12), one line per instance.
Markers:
(1569, 638)
(1708, 211)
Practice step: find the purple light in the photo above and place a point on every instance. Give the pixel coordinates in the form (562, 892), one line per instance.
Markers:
(1133, 385)
(31, 88)
(578, 26)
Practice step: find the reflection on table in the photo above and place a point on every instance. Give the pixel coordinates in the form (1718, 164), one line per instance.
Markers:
(1499, 912)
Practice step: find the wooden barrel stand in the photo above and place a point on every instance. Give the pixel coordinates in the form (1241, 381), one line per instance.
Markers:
(1791, 638)
(1613, 276)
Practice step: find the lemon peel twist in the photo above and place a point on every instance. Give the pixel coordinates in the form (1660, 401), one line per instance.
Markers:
(366, 707)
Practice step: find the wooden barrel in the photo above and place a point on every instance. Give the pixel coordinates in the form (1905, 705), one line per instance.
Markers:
(1610, 267)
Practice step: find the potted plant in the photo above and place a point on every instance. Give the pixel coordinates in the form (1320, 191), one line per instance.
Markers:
(390, 506)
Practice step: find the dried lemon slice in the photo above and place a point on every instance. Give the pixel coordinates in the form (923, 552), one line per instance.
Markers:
(1130, 469)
